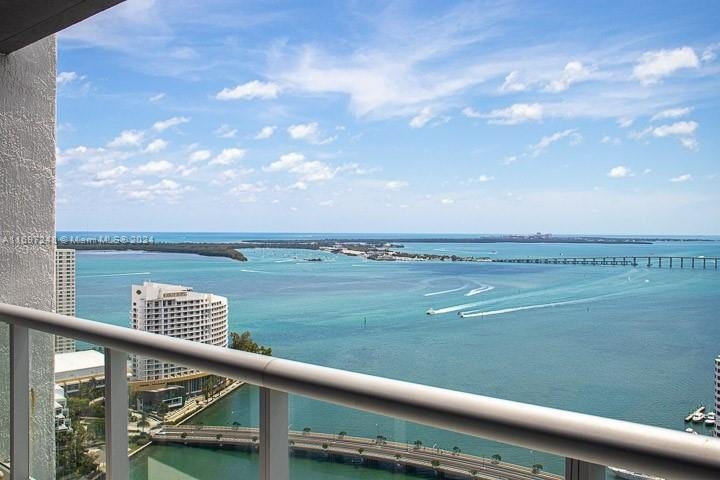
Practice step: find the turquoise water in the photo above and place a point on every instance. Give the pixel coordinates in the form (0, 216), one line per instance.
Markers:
(633, 343)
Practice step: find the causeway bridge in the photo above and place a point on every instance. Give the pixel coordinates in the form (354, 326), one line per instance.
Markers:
(378, 453)
(635, 261)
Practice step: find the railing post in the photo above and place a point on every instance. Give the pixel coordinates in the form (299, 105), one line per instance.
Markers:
(579, 470)
(19, 403)
(273, 435)
(116, 415)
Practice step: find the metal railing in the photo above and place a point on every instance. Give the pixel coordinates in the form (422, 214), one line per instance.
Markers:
(587, 441)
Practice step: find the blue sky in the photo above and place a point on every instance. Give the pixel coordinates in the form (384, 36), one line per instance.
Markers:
(472, 117)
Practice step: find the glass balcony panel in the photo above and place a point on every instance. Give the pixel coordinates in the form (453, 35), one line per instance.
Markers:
(333, 442)
(213, 434)
(79, 413)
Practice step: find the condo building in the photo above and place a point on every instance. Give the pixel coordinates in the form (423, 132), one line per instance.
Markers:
(179, 312)
(64, 293)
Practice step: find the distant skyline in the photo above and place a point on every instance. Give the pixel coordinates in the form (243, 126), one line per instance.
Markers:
(446, 117)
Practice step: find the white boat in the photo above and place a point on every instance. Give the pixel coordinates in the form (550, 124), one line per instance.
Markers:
(689, 430)
(628, 475)
(697, 418)
(710, 421)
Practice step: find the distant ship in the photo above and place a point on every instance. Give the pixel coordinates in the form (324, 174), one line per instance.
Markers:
(628, 475)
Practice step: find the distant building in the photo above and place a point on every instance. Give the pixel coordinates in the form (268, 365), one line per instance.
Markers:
(717, 395)
(76, 369)
(64, 293)
(62, 415)
(179, 312)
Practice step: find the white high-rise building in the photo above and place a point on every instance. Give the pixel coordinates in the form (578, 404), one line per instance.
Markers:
(64, 293)
(717, 396)
(176, 311)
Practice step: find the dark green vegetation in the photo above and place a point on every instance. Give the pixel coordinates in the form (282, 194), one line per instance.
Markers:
(245, 343)
(206, 249)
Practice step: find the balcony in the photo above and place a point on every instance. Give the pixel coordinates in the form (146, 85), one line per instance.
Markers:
(587, 442)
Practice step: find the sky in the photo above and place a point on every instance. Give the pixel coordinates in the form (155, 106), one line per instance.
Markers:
(374, 116)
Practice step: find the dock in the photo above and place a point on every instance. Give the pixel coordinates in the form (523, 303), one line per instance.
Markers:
(703, 263)
(376, 453)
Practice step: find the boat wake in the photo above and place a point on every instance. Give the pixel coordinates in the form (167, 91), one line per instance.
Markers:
(454, 308)
(481, 289)
(432, 294)
(246, 270)
(471, 314)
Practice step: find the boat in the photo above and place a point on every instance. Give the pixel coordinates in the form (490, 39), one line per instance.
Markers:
(710, 418)
(698, 417)
(430, 311)
(689, 430)
(628, 475)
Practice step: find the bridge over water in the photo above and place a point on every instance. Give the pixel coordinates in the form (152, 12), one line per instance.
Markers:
(635, 261)
(378, 453)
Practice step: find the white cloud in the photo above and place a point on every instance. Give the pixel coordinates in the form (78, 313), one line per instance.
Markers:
(509, 160)
(709, 54)
(326, 203)
(112, 173)
(548, 140)
(306, 170)
(200, 156)
(298, 186)
(309, 132)
(681, 178)
(655, 65)
(572, 73)
(671, 113)
(158, 97)
(170, 122)
(677, 128)
(165, 189)
(625, 122)
(689, 142)
(447, 201)
(608, 140)
(67, 77)
(394, 185)
(619, 172)
(249, 91)
(471, 112)
(185, 171)
(265, 132)
(419, 120)
(154, 168)
(512, 83)
(286, 162)
(228, 156)
(248, 188)
(482, 179)
(515, 114)
(155, 146)
(127, 138)
(226, 131)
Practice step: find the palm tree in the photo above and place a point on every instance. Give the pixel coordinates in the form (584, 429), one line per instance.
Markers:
(325, 446)
(473, 473)
(236, 425)
(456, 450)
(342, 434)
(142, 423)
(306, 430)
(361, 450)
(537, 468)
(398, 456)
(496, 458)
(218, 436)
(435, 463)
(418, 444)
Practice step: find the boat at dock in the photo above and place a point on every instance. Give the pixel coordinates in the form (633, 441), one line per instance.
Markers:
(697, 411)
(628, 475)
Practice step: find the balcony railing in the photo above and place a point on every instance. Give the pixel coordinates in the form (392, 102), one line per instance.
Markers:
(587, 442)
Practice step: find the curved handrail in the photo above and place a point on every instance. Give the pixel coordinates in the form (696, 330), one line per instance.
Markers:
(653, 450)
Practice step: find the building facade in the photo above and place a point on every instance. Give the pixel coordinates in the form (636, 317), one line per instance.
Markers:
(64, 293)
(179, 312)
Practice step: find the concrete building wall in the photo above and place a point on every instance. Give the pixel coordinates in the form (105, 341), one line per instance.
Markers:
(27, 227)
